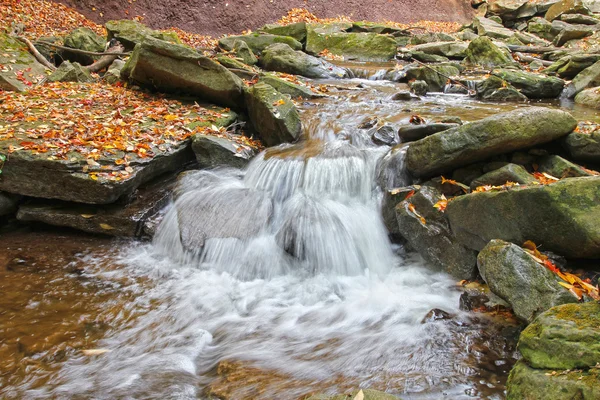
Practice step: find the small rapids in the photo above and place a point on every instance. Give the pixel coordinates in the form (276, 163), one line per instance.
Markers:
(285, 270)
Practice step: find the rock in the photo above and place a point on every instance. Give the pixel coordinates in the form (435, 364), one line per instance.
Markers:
(130, 33)
(589, 98)
(589, 44)
(569, 66)
(83, 39)
(402, 96)
(282, 58)
(125, 220)
(528, 383)
(272, 115)
(8, 204)
(259, 42)
(534, 86)
(176, 68)
(364, 26)
(528, 38)
(49, 52)
(507, 9)
(508, 173)
(583, 146)
(568, 32)
(435, 81)
(74, 72)
(482, 51)
(589, 77)
(428, 58)
(364, 394)
(391, 198)
(352, 46)
(476, 141)
(564, 337)
(391, 171)
(566, 7)
(561, 168)
(498, 90)
(467, 35)
(580, 19)
(529, 287)
(235, 64)
(296, 31)
(453, 49)
(430, 37)
(542, 28)
(436, 315)
(385, 136)
(295, 90)
(113, 75)
(432, 236)
(213, 151)
(418, 87)
(15, 54)
(243, 51)
(563, 217)
(410, 133)
(487, 27)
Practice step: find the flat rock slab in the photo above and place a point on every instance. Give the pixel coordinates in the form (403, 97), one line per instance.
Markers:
(19, 70)
(352, 46)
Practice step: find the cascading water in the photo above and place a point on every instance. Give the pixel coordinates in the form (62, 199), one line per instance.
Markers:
(285, 268)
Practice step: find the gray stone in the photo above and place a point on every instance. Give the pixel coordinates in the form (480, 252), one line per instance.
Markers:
(453, 49)
(508, 173)
(214, 151)
(580, 19)
(566, 7)
(282, 58)
(16, 54)
(410, 133)
(385, 135)
(560, 168)
(532, 85)
(568, 32)
(589, 77)
(542, 28)
(71, 72)
(487, 27)
(113, 75)
(418, 87)
(589, 98)
(583, 146)
(130, 33)
(259, 42)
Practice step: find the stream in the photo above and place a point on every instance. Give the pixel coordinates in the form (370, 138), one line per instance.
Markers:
(311, 297)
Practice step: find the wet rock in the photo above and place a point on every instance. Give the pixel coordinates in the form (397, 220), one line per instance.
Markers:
(564, 337)
(583, 146)
(508, 173)
(130, 33)
(113, 75)
(476, 141)
(402, 96)
(259, 42)
(410, 133)
(435, 81)
(566, 7)
(71, 72)
(428, 232)
(352, 46)
(589, 98)
(589, 77)
(385, 135)
(563, 217)
(176, 68)
(561, 168)
(282, 58)
(296, 31)
(15, 54)
(492, 29)
(516, 277)
(295, 90)
(391, 172)
(482, 51)
(568, 32)
(273, 115)
(367, 123)
(468, 174)
(534, 86)
(8, 204)
(436, 315)
(82, 39)
(498, 90)
(212, 151)
(453, 49)
(418, 87)
(391, 198)
(525, 382)
(542, 27)
(243, 51)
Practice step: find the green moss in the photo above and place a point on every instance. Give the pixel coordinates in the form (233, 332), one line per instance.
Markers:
(582, 315)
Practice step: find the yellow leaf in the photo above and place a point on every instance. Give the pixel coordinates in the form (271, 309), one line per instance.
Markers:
(94, 352)
(87, 216)
(106, 227)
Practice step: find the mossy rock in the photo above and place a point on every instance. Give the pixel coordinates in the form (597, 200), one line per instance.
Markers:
(583, 146)
(495, 89)
(244, 52)
(542, 27)
(130, 33)
(482, 51)
(83, 39)
(561, 168)
(71, 72)
(451, 49)
(295, 90)
(352, 46)
(296, 31)
(508, 173)
(282, 58)
(15, 54)
(258, 42)
(589, 98)
(435, 81)
(367, 394)
(534, 86)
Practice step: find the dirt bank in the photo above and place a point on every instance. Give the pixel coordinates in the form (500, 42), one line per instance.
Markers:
(229, 16)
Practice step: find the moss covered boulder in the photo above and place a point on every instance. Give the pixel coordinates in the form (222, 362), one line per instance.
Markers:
(71, 72)
(565, 337)
(583, 146)
(257, 42)
(273, 115)
(589, 98)
(296, 31)
(528, 286)
(282, 58)
(476, 141)
(495, 89)
(435, 81)
(130, 33)
(24, 70)
(453, 49)
(83, 39)
(171, 68)
(295, 90)
(508, 173)
(563, 217)
(352, 46)
(532, 85)
(526, 383)
(244, 52)
(482, 51)
(560, 167)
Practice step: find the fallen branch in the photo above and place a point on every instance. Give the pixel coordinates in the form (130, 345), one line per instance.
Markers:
(88, 53)
(38, 56)
(524, 58)
(106, 60)
(469, 91)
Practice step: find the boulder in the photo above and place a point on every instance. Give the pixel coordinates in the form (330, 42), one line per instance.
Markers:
(435, 81)
(258, 42)
(492, 29)
(542, 27)
(272, 115)
(589, 77)
(24, 69)
(71, 72)
(83, 39)
(296, 31)
(568, 32)
(410, 133)
(560, 168)
(113, 75)
(428, 58)
(580, 19)
(569, 66)
(295, 90)
(385, 135)
(564, 337)
(365, 26)
(532, 85)
(566, 7)
(508, 173)
(428, 232)
(215, 151)
(563, 217)
(418, 87)
(528, 286)
(130, 33)
(482, 51)
(352, 46)
(477, 141)
(175, 68)
(589, 98)
(282, 58)
(583, 146)
(430, 37)
(498, 90)
(244, 52)
(529, 383)
(453, 49)
(508, 9)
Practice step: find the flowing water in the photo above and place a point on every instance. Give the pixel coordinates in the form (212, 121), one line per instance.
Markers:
(268, 283)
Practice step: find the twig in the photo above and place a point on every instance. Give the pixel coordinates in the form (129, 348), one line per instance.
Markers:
(89, 53)
(107, 59)
(36, 53)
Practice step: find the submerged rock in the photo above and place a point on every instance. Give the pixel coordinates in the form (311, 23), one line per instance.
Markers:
(363, 394)
(529, 287)
(476, 141)
(563, 217)
(418, 87)
(282, 58)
